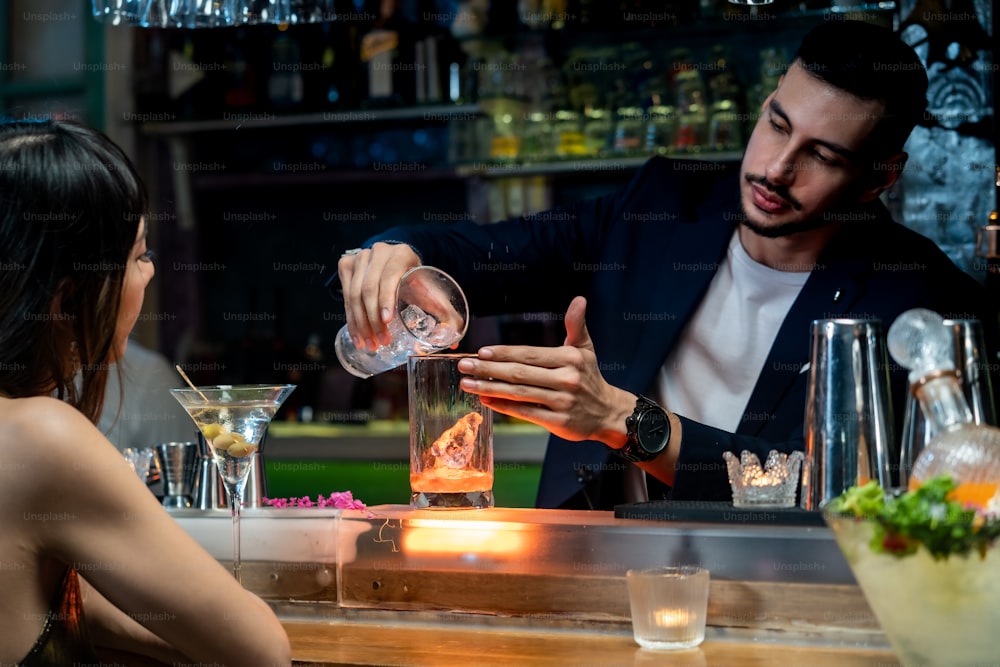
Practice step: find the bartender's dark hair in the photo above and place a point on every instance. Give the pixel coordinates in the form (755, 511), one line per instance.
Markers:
(70, 206)
(871, 63)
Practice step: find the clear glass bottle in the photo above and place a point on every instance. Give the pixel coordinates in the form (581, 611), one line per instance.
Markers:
(692, 106)
(661, 130)
(597, 128)
(968, 452)
(630, 130)
(725, 127)
(568, 134)
(536, 139)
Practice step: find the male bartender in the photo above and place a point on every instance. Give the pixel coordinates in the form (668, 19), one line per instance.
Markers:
(691, 291)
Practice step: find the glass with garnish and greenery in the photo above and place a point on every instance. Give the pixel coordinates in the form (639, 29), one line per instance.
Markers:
(927, 562)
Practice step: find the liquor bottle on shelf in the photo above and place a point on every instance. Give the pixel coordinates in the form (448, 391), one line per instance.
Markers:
(661, 129)
(240, 92)
(598, 130)
(150, 83)
(630, 128)
(725, 125)
(988, 248)
(324, 88)
(586, 96)
(388, 52)
(567, 125)
(185, 79)
(285, 85)
(541, 81)
(691, 104)
(772, 66)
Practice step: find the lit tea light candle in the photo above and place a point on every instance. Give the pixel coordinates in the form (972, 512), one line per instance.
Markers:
(767, 479)
(773, 484)
(672, 618)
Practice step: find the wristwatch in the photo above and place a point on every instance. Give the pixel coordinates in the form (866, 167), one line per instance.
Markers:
(648, 432)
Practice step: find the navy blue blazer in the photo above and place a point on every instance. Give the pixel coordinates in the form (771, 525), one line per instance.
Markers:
(644, 257)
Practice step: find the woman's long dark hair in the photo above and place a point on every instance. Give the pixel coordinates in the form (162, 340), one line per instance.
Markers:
(70, 206)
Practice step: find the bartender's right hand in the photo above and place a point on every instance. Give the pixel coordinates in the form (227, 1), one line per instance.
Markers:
(368, 279)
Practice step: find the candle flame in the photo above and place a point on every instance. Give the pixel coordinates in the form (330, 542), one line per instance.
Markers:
(672, 618)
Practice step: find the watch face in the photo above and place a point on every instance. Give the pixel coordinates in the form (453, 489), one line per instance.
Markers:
(653, 430)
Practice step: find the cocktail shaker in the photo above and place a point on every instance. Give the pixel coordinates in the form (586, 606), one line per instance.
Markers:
(256, 485)
(178, 462)
(209, 492)
(971, 363)
(848, 424)
(256, 488)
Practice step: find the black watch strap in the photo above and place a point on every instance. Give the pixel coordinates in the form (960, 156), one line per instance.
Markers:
(647, 432)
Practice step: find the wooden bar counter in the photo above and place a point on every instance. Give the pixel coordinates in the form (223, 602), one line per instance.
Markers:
(393, 586)
(394, 641)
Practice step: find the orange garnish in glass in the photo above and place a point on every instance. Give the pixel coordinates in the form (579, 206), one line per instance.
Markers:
(974, 494)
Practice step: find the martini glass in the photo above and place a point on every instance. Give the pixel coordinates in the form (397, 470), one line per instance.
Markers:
(233, 419)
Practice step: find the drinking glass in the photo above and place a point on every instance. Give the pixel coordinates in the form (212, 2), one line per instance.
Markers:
(119, 12)
(451, 437)
(139, 460)
(203, 13)
(233, 419)
(934, 611)
(431, 315)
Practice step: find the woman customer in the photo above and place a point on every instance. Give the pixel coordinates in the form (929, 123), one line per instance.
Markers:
(91, 565)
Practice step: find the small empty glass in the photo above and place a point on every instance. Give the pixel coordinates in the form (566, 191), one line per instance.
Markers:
(139, 459)
(431, 315)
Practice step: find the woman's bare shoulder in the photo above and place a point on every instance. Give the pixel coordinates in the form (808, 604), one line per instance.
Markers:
(45, 442)
(39, 415)
(39, 420)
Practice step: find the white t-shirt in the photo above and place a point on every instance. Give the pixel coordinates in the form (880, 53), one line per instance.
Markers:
(710, 374)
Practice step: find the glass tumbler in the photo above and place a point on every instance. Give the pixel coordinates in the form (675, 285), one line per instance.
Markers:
(431, 315)
(451, 437)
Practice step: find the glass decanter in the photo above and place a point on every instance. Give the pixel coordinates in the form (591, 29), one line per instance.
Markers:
(969, 452)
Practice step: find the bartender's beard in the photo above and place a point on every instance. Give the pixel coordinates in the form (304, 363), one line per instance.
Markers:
(787, 228)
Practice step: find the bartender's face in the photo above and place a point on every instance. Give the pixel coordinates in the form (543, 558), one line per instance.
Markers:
(803, 157)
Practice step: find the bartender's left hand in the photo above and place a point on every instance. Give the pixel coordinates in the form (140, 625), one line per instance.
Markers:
(559, 388)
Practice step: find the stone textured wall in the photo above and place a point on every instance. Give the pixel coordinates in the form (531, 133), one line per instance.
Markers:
(947, 190)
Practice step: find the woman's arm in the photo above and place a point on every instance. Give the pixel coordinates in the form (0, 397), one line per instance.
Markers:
(132, 552)
(110, 628)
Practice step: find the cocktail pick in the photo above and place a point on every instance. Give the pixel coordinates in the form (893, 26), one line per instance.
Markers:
(188, 380)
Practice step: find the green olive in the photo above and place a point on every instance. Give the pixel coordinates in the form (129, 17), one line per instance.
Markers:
(240, 449)
(224, 442)
(211, 431)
